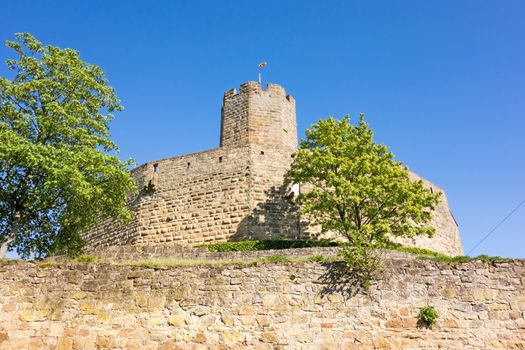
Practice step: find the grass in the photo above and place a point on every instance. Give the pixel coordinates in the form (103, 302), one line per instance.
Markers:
(86, 259)
(272, 259)
(183, 262)
(420, 253)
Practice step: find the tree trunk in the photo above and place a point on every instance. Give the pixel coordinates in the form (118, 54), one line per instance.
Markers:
(4, 248)
(10, 237)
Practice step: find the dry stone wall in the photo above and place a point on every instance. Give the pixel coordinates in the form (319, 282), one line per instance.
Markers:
(481, 305)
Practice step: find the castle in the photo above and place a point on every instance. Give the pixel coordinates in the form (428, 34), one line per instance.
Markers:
(236, 192)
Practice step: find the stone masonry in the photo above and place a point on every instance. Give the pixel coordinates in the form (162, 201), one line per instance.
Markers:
(235, 192)
(481, 305)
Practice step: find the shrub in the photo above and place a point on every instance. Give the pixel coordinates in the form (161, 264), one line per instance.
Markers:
(361, 264)
(247, 246)
(428, 316)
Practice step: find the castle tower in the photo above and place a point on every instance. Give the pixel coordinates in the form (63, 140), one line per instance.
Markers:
(257, 117)
(264, 122)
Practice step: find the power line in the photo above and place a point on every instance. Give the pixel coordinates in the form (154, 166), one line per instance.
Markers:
(498, 225)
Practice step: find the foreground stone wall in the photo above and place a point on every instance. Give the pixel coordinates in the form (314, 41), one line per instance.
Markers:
(481, 305)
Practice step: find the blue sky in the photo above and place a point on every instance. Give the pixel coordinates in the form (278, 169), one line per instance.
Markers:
(442, 82)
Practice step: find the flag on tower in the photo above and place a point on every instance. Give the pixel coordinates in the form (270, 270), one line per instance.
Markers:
(262, 65)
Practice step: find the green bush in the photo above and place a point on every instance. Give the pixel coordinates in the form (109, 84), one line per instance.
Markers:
(428, 316)
(361, 262)
(248, 246)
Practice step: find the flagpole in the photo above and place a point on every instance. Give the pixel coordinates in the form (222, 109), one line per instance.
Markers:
(261, 66)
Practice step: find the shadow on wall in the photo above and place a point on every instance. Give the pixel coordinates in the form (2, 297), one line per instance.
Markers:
(338, 279)
(275, 218)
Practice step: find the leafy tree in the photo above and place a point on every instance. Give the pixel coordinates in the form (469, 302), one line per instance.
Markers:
(58, 168)
(357, 188)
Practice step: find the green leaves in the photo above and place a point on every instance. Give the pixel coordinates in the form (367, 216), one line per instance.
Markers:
(357, 188)
(58, 166)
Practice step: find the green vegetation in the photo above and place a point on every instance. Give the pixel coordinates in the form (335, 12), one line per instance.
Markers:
(59, 172)
(249, 246)
(272, 259)
(421, 253)
(361, 264)
(184, 262)
(428, 316)
(86, 258)
(359, 191)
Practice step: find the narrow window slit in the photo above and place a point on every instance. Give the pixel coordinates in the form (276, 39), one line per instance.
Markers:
(155, 167)
(220, 159)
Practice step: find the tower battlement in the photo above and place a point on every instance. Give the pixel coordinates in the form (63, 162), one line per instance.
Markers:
(256, 116)
(255, 87)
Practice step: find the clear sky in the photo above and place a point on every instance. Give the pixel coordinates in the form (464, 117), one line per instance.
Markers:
(442, 82)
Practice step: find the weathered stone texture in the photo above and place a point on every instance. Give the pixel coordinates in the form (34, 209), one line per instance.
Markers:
(236, 191)
(481, 305)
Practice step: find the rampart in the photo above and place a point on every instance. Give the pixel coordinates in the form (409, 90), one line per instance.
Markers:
(481, 305)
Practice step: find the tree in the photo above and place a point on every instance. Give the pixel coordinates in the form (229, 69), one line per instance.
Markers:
(358, 189)
(59, 172)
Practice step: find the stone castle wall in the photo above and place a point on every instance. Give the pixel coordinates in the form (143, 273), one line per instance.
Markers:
(236, 191)
(446, 238)
(194, 198)
(481, 305)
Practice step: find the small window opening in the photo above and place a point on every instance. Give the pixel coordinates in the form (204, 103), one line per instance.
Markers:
(286, 131)
(189, 164)
(155, 167)
(220, 159)
(262, 152)
(431, 190)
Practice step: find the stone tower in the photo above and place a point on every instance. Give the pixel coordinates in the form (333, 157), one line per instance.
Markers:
(264, 121)
(256, 117)
(234, 192)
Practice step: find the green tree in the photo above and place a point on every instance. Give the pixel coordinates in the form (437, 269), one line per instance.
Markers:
(357, 188)
(58, 170)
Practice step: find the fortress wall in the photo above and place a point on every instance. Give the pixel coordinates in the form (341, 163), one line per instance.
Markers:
(481, 305)
(447, 239)
(273, 215)
(200, 202)
(193, 198)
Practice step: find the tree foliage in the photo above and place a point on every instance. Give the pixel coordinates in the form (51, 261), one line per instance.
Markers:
(58, 168)
(356, 187)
